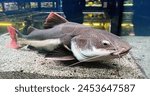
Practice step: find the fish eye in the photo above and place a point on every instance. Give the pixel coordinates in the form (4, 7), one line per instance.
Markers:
(105, 42)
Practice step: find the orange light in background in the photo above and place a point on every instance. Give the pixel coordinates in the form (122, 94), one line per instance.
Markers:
(5, 24)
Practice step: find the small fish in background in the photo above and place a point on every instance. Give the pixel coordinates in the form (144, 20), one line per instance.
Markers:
(86, 43)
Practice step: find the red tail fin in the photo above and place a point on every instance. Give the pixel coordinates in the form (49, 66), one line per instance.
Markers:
(13, 42)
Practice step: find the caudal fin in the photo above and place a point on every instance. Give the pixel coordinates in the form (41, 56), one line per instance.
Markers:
(13, 42)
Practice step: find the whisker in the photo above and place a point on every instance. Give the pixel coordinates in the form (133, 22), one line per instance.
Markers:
(119, 58)
(83, 60)
(123, 59)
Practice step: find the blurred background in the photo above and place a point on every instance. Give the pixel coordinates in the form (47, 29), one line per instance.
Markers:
(121, 17)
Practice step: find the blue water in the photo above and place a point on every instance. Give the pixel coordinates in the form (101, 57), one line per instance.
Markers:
(141, 18)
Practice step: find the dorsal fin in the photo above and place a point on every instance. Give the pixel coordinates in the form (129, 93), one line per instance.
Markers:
(54, 19)
(30, 29)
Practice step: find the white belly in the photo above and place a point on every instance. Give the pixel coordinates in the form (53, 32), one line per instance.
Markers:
(49, 44)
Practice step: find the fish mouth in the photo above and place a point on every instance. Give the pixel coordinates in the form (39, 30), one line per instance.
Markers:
(121, 52)
(124, 53)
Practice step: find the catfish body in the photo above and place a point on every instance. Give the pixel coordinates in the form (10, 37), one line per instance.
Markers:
(65, 32)
(83, 41)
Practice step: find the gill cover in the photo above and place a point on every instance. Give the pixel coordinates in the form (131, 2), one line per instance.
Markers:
(83, 49)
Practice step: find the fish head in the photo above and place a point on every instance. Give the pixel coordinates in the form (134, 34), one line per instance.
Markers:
(97, 46)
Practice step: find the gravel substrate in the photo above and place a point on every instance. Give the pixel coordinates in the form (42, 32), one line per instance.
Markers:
(26, 63)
